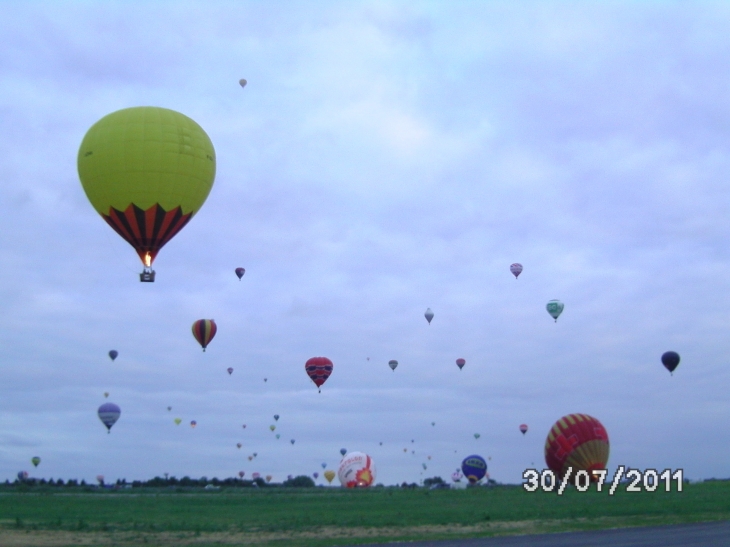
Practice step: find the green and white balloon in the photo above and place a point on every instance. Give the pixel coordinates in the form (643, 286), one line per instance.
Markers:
(555, 308)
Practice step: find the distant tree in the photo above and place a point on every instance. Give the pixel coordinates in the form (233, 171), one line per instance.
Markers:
(83, 482)
(259, 482)
(59, 482)
(433, 480)
(300, 481)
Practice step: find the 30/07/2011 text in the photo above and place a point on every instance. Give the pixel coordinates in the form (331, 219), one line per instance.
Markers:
(648, 480)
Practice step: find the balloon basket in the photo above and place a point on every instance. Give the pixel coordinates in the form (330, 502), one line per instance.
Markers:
(147, 276)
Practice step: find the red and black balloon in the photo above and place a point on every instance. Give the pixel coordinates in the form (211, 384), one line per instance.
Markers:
(319, 369)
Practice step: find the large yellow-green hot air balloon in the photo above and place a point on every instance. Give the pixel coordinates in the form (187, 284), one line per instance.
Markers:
(147, 171)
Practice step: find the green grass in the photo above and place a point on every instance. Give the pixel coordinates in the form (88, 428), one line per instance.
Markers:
(296, 511)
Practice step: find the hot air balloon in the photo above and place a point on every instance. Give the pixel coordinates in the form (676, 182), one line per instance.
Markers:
(428, 315)
(456, 475)
(169, 408)
(230, 370)
(241, 474)
(292, 441)
(22, 475)
(324, 465)
(343, 451)
(193, 423)
(244, 426)
(106, 394)
(670, 360)
(177, 421)
(240, 272)
(255, 454)
(357, 470)
(265, 379)
(429, 457)
(250, 458)
(239, 445)
(242, 82)
(268, 478)
(147, 171)
(460, 363)
(477, 435)
(523, 428)
(329, 475)
(256, 475)
(578, 441)
(516, 269)
(272, 427)
(424, 466)
(35, 460)
(276, 417)
(392, 364)
(474, 468)
(278, 435)
(319, 369)
(555, 308)
(100, 479)
(109, 414)
(315, 475)
(113, 354)
(204, 330)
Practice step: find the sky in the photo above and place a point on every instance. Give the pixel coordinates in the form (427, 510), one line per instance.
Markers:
(385, 157)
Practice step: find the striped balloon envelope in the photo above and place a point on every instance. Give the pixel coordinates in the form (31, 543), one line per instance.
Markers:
(578, 441)
(109, 414)
(204, 330)
(319, 369)
(516, 269)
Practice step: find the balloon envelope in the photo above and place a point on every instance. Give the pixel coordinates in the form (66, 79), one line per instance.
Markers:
(516, 269)
(204, 330)
(343, 451)
(113, 354)
(35, 461)
(276, 417)
(318, 369)
(193, 423)
(147, 171)
(428, 315)
(242, 82)
(109, 414)
(474, 468)
(578, 441)
(357, 470)
(22, 475)
(460, 363)
(555, 308)
(177, 421)
(240, 272)
(523, 428)
(670, 360)
(329, 475)
(392, 364)
(230, 370)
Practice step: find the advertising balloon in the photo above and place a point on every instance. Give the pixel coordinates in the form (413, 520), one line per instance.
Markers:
(357, 470)
(428, 315)
(460, 363)
(670, 360)
(392, 364)
(523, 428)
(240, 272)
(329, 475)
(113, 354)
(319, 369)
(578, 441)
(516, 269)
(555, 308)
(204, 330)
(474, 468)
(147, 171)
(109, 414)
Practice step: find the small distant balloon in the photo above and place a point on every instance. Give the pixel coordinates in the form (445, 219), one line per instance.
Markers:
(433, 423)
(318, 369)
(329, 475)
(477, 435)
(523, 428)
(670, 360)
(178, 421)
(100, 479)
(240, 272)
(343, 451)
(244, 426)
(106, 394)
(250, 458)
(278, 435)
(324, 465)
(239, 445)
(230, 370)
(255, 454)
(242, 82)
(272, 427)
(292, 441)
(555, 308)
(516, 269)
(268, 478)
(428, 315)
(474, 468)
(241, 473)
(392, 364)
(315, 475)
(35, 460)
(276, 417)
(22, 475)
(424, 466)
(256, 475)
(193, 423)
(113, 354)
(265, 380)
(460, 363)
(169, 408)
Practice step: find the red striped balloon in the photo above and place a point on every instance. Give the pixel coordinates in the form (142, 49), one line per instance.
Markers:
(319, 369)
(204, 330)
(578, 441)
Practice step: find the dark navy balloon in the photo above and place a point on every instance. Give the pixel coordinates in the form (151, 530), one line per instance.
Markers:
(670, 360)
(240, 272)
(113, 354)
(474, 468)
(109, 414)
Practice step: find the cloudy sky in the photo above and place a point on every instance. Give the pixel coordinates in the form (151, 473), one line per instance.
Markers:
(385, 157)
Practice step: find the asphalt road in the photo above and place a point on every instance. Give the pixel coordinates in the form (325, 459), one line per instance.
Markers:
(706, 534)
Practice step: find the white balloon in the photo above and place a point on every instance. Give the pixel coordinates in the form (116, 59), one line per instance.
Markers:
(357, 470)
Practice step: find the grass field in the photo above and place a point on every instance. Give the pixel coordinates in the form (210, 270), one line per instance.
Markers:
(328, 516)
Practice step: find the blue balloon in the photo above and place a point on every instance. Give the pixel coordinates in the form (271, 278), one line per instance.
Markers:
(474, 468)
(109, 414)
